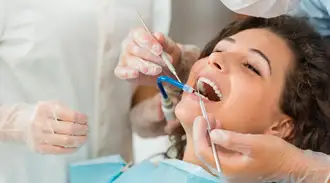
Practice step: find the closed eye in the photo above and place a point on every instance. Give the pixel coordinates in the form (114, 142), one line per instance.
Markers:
(249, 66)
(217, 51)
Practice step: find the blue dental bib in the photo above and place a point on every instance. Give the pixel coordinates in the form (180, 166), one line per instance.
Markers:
(110, 170)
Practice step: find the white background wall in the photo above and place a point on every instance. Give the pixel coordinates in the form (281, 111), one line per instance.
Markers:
(198, 21)
(193, 22)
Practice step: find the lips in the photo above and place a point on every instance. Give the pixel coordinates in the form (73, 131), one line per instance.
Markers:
(208, 89)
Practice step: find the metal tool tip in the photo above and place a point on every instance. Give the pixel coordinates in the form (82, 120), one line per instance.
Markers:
(198, 94)
(177, 77)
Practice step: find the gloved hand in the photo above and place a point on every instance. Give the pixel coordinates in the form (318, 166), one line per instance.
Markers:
(259, 158)
(148, 119)
(140, 60)
(46, 127)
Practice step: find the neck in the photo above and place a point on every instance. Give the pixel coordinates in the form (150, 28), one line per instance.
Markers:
(190, 157)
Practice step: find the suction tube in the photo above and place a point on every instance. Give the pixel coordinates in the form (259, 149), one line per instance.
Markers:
(173, 82)
(167, 104)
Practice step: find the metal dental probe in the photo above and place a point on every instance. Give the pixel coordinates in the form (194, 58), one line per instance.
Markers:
(163, 55)
(203, 109)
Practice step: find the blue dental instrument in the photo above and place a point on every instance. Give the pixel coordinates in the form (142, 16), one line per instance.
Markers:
(167, 104)
(178, 84)
(163, 55)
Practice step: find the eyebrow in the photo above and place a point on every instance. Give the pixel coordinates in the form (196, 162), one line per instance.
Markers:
(263, 56)
(256, 51)
(229, 39)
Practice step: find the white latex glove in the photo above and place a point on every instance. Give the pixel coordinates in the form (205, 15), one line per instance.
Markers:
(46, 127)
(140, 61)
(259, 158)
(148, 120)
(261, 8)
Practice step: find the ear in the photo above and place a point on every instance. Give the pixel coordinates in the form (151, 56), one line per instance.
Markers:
(282, 128)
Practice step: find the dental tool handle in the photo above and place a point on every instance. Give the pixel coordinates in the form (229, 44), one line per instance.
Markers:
(170, 66)
(214, 151)
(204, 113)
(215, 155)
(168, 109)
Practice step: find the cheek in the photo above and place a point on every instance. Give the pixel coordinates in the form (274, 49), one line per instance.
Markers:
(245, 109)
(197, 67)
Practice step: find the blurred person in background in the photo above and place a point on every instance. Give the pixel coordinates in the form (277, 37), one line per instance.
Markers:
(57, 86)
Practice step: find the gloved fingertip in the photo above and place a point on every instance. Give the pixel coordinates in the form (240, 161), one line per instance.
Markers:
(81, 118)
(124, 73)
(198, 119)
(218, 136)
(145, 70)
(135, 74)
(157, 70)
(156, 49)
(132, 75)
(121, 72)
(153, 71)
(160, 38)
(158, 35)
(199, 130)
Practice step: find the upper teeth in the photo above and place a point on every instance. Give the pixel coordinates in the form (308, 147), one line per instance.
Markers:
(201, 88)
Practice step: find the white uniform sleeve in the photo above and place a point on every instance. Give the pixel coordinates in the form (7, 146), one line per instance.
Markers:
(2, 17)
(161, 15)
(318, 13)
(12, 124)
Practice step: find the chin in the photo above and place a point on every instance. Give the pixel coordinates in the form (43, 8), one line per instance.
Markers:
(186, 111)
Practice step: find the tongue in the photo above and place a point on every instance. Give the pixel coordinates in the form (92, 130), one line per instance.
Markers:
(210, 93)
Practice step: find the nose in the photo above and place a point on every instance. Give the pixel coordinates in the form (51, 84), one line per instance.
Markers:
(217, 61)
(225, 61)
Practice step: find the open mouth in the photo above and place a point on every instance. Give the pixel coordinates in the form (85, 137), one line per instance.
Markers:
(208, 89)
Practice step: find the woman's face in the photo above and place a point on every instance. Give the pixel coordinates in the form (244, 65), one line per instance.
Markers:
(243, 78)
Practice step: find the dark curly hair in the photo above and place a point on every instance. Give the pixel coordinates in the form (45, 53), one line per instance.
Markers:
(305, 97)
